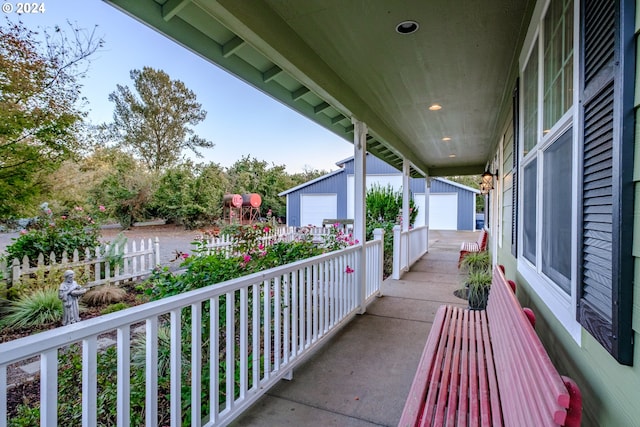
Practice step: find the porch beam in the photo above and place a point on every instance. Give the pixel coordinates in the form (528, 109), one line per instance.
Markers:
(299, 93)
(271, 73)
(360, 192)
(232, 46)
(172, 8)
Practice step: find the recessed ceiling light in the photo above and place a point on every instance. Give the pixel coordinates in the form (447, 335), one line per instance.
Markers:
(435, 107)
(446, 138)
(452, 155)
(407, 27)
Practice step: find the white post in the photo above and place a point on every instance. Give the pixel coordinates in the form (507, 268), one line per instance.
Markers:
(156, 251)
(427, 192)
(378, 234)
(360, 192)
(396, 252)
(406, 170)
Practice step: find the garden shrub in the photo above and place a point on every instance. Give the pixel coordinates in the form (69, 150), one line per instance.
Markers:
(76, 229)
(103, 294)
(38, 308)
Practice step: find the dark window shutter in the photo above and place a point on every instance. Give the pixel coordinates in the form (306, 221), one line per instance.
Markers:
(514, 171)
(606, 117)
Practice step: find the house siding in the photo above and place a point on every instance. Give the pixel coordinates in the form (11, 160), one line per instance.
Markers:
(610, 390)
(335, 184)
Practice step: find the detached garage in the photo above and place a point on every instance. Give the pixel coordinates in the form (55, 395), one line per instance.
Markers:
(451, 205)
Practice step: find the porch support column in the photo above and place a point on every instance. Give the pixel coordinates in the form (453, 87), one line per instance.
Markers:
(427, 192)
(360, 191)
(406, 170)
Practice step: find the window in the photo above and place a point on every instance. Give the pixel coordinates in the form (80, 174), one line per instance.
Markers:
(546, 164)
(557, 213)
(558, 61)
(529, 209)
(576, 191)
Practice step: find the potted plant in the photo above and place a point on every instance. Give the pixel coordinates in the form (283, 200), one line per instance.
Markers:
(478, 283)
(474, 261)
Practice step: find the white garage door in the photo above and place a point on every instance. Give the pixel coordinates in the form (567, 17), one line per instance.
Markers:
(316, 207)
(443, 211)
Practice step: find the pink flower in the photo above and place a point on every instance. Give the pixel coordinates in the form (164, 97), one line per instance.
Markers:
(185, 256)
(102, 208)
(266, 229)
(247, 258)
(63, 217)
(23, 232)
(78, 208)
(349, 270)
(261, 246)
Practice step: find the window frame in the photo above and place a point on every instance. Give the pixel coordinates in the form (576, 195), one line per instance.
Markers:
(562, 305)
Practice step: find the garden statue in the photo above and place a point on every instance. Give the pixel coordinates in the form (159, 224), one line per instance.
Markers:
(69, 293)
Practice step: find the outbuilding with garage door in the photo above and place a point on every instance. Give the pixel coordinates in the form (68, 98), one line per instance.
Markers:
(452, 206)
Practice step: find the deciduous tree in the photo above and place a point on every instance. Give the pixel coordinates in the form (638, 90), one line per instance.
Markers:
(39, 111)
(154, 120)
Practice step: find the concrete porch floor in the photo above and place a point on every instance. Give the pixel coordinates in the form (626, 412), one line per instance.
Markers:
(362, 376)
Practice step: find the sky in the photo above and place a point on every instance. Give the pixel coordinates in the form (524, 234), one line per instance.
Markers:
(240, 121)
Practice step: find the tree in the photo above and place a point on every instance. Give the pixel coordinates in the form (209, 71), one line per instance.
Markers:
(249, 175)
(154, 123)
(39, 115)
(190, 194)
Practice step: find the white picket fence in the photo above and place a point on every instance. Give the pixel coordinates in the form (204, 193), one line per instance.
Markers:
(226, 244)
(101, 266)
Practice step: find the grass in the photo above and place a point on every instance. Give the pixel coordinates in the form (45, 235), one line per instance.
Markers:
(38, 308)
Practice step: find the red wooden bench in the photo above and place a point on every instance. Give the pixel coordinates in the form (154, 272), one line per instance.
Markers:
(477, 246)
(489, 368)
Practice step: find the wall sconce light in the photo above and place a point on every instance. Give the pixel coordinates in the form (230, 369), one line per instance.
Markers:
(486, 184)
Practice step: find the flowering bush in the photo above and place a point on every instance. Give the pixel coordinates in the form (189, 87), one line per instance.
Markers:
(338, 238)
(76, 229)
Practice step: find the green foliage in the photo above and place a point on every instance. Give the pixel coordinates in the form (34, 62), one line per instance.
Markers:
(478, 283)
(477, 261)
(39, 118)
(478, 279)
(155, 121)
(249, 175)
(190, 194)
(76, 229)
(37, 308)
(126, 195)
(384, 205)
(114, 307)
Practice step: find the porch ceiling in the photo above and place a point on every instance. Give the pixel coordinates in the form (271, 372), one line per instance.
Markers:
(332, 60)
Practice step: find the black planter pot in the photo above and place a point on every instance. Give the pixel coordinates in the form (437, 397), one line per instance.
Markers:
(478, 298)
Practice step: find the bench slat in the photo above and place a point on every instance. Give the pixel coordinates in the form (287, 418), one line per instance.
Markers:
(538, 385)
(418, 391)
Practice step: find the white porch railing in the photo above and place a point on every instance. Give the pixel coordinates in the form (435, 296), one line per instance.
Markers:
(105, 265)
(275, 317)
(408, 247)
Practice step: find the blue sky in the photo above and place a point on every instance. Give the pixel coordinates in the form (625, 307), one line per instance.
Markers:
(241, 120)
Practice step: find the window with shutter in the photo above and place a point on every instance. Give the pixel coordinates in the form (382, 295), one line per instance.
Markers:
(606, 122)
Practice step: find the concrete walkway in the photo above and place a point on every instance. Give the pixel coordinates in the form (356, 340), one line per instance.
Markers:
(362, 376)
